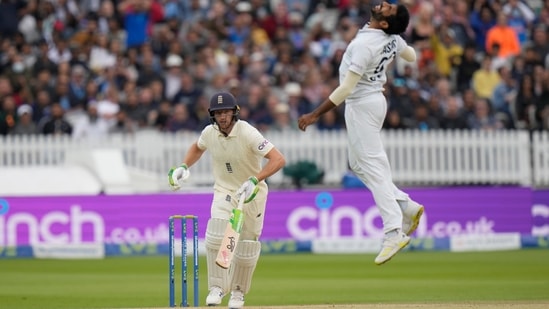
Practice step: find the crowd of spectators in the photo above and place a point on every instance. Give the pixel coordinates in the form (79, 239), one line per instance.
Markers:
(93, 67)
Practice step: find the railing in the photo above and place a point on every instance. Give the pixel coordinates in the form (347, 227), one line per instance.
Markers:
(417, 157)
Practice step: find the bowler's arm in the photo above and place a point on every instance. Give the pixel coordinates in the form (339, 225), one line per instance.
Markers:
(339, 94)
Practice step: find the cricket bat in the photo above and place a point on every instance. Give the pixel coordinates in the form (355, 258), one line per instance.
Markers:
(231, 236)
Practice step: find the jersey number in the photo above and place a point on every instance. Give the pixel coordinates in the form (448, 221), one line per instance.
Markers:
(380, 68)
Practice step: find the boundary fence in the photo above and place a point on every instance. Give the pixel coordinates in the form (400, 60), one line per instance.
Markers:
(417, 157)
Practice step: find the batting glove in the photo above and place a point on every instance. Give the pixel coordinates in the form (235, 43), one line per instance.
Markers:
(248, 190)
(178, 175)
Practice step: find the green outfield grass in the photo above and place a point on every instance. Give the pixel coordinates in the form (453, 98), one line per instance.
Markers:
(296, 279)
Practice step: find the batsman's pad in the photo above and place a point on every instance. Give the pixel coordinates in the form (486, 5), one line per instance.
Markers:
(244, 263)
(217, 276)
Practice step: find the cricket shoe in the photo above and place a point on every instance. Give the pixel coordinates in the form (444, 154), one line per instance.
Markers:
(237, 300)
(411, 216)
(391, 245)
(215, 297)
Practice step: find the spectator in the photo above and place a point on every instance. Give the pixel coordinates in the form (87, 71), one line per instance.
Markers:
(149, 67)
(279, 18)
(8, 115)
(443, 93)
(297, 36)
(482, 19)
(467, 66)
(532, 59)
(25, 125)
(542, 108)
(485, 79)
(312, 85)
(468, 99)
(272, 105)
(272, 47)
(157, 91)
(454, 117)
(202, 114)
(423, 120)
(282, 120)
(400, 99)
(43, 61)
(41, 107)
(59, 51)
(146, 108)
(123, 125)
(172, 76)
(526, 103)
(503, 98)
(77, 88)
(503, 35)
(105, 15)
(415, 99)
(435, 107)
(67, 14)
(135, 15)
(107, 109)
(188, 93)
(297, 103)
(181, 120)
(540, 44)
(91, 126)
(61, 92)
(447, 51)
(239, 32)
(483, 117)
(88, 34)
(8, 18)
(133, 110)
(455, 18)
(101, 55)
(163, 115)
(330, 121)
(521, 18)
(393, 120)
(193, 11)
(422, 27)
(56, 124)
(28, 56)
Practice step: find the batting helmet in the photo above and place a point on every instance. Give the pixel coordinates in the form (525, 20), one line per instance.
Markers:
(223, 100)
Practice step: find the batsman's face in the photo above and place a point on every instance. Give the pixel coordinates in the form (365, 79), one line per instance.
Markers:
(224, 119)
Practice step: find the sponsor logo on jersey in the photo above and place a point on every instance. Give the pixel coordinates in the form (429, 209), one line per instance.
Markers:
(263, 144)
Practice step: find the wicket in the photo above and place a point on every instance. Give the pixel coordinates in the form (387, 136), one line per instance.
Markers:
(172, 219)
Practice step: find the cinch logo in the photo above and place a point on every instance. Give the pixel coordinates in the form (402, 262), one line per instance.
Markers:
(306, 223)
(55, 227)
(540, 214)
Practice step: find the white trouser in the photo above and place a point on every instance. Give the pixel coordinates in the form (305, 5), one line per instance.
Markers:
(254, 212)
(368, 159)
(248, 249)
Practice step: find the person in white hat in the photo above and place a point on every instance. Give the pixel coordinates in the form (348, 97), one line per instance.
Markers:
(25, 125)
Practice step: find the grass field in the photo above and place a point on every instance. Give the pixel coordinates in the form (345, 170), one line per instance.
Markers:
(412, 279)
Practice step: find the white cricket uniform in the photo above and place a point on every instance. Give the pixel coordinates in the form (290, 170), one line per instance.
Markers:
(235, 158)
(369, 55)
